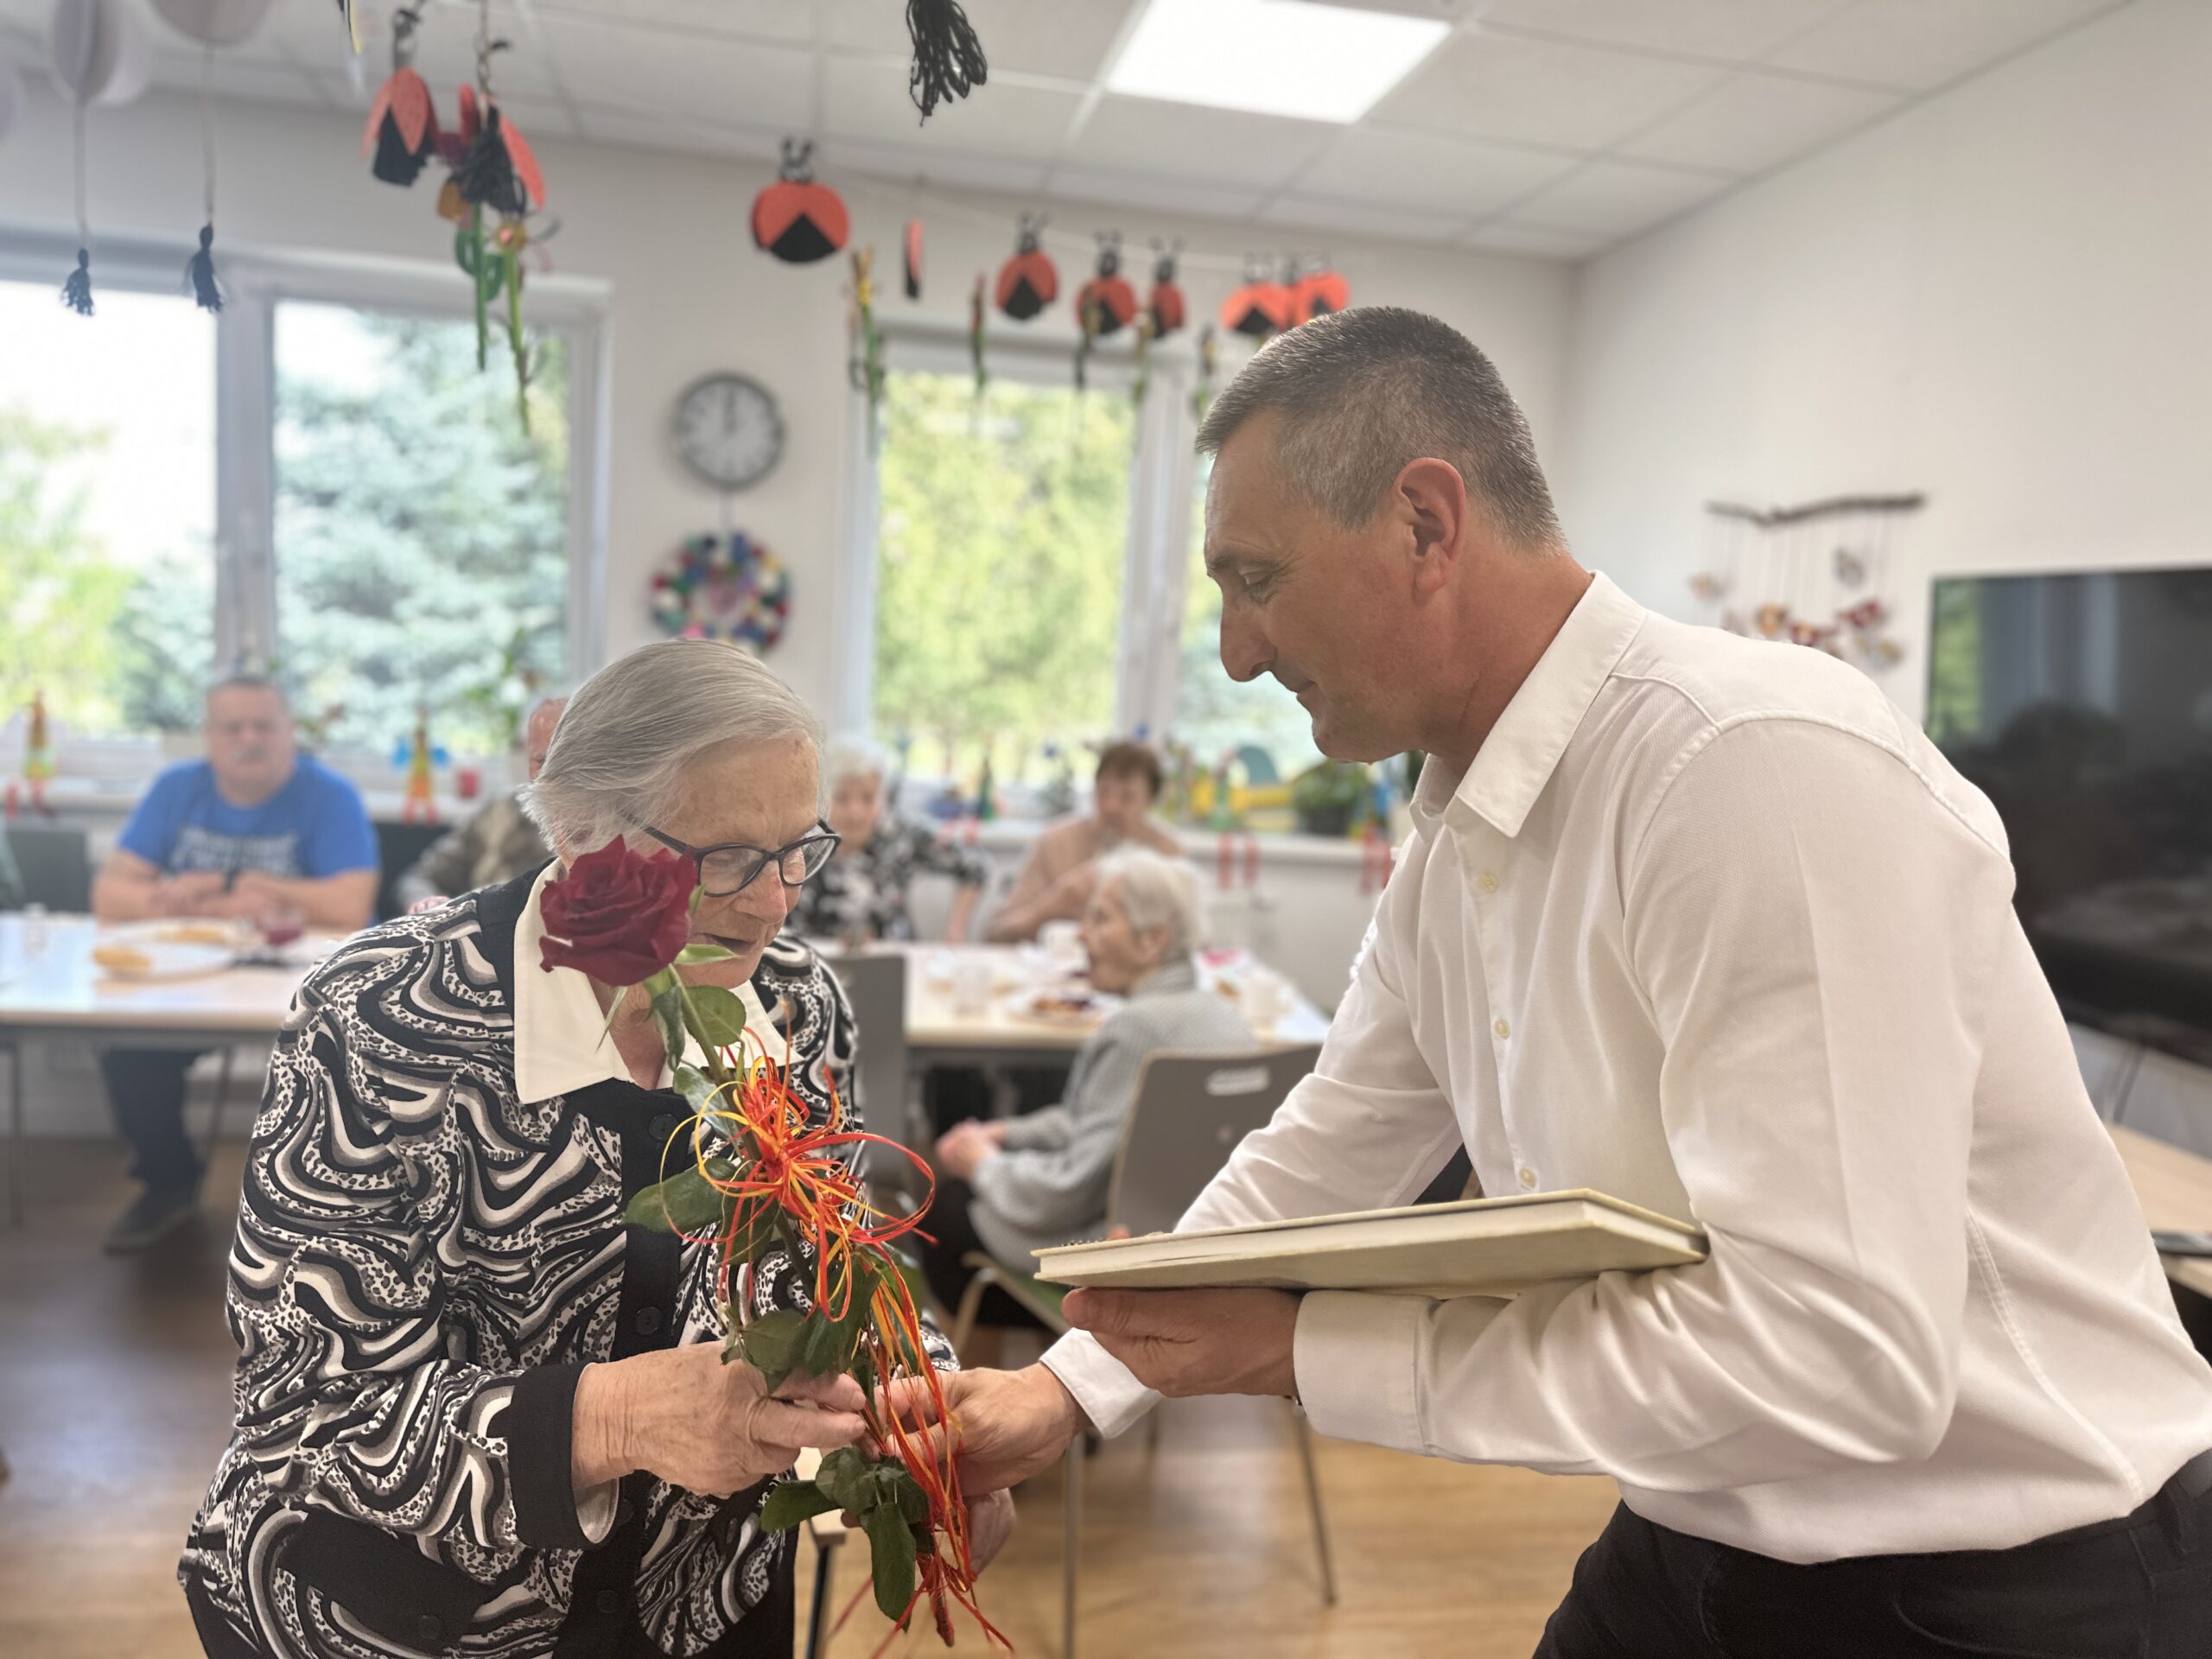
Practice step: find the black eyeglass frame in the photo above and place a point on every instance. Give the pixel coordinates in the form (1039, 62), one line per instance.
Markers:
(763, 857)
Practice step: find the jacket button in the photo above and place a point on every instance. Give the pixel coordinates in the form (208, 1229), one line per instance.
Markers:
(663, 1127)
(430, 1631)
(648, 1321)
(609, 1601)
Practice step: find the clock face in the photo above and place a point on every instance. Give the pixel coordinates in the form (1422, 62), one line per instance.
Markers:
(728, 430)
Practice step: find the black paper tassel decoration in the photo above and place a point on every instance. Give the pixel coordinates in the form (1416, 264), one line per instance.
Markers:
(201, 272)
(948, 58)
(486, 173)
(396, 162)
(77, 292)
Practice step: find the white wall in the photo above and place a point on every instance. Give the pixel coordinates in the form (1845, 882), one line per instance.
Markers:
(1998, 297)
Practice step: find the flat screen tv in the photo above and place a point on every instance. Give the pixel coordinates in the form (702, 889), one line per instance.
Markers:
(2082, 705)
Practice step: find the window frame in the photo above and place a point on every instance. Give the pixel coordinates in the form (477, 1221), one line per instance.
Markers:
(1156, 542)
(255, 283)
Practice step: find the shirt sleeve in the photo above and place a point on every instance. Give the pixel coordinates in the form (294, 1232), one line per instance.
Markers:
(1042, 1129)
(1370, 1129)
(1813, 926)
(341, 838)
(1062, 1181)
(151, 829)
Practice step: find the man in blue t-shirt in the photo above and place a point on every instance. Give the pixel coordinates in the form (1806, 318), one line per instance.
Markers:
(254, 830)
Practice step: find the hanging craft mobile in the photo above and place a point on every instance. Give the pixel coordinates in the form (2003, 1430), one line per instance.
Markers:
(351, 18)
(1028, 282)
(948, 58)
(1261, 306)
(213, 23)
(975, 333)
(98, 55)
(1314, 293)
(403, 130)
(1164, 303)
(1106, 302)
(716, 589)
(1209, 366)
(795, 218)
(866, 365)
(911, 246)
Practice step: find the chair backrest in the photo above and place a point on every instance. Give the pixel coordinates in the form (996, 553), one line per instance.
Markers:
(1191, 1111)
(875, 985)
(56, 866)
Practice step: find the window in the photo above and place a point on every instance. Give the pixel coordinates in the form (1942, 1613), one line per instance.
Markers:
(107, 510)
(421, 535)
(1002, 525)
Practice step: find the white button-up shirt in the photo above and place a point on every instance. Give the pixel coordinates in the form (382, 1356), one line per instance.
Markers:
(1711, 926)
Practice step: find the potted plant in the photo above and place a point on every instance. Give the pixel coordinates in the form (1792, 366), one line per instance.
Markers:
(1327, 796)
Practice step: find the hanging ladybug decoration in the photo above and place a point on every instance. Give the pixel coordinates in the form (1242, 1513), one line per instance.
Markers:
(403, 130)
(912, 244)
(1107, 304)
(497, 169)
(1164, 303)
(1027, 282)
(1260, 307)
(1315, 293)
(795, 218)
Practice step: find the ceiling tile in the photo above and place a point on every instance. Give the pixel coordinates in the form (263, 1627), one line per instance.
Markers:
(1752, 121)
(1413, 169)
(1166, 195)
(730, 82)
(770, 20)
(234, 78)
(896, 162)
(1066, 38)
(605, 125)
(1488, 86)
(1322, 215)
(1545, 241)
(1618, 198)
(1922, 43)
(867, 98)
(1227, 146)
(1734, 29)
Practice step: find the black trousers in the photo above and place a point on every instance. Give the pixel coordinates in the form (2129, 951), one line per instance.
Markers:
(146, 1088)
(2138, 1587)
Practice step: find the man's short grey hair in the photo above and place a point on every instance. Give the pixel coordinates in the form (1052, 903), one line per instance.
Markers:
(852, 755)
(243, 681)
(1156, 892)
(632, 729)
(1358, 395)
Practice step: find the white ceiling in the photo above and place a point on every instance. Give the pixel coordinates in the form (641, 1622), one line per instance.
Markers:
(1546, 127)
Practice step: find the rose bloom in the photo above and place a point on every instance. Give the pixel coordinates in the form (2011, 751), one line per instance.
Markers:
(618, 915)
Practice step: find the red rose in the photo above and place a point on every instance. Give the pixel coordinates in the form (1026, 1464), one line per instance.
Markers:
(618, 915)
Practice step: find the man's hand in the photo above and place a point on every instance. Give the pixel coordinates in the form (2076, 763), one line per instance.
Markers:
(190, 894)
(1187, 1341)
(1012, 1423)
(961, 1149)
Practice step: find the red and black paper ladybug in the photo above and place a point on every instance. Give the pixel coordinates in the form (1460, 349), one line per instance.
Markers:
(1260, 307)
(913, 252)
(1107, 304)
(1317, 294)
(403, 130)
(1028, 282)
(1164, 303)
(795, 218)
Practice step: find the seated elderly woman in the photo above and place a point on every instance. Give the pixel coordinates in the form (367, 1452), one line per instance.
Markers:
(861, 895)
(474, 1408)
(1020, 1184)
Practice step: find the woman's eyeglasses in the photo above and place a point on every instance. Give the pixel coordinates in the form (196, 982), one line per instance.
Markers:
(733, 866)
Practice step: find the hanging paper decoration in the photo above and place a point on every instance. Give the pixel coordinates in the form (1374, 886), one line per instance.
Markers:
(948, 58)
(97, 55)
(1107, 303)
(1028, 282)
(213, 23)
(1164, 303)
(351, 16)
(402, 127)
(911, 244)
(1260, 307)
(715, 589)
(795, 218)
(1315, 294)
(1209, 366)
(975, 333)
(866, 364)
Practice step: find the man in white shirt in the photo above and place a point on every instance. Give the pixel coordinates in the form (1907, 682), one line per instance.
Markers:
(1705, 924)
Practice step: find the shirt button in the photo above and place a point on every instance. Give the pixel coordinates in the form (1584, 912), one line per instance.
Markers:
(648, 1321)
(1486, 882)
(1502, 1030)
(1528, 1178)
(662, 1128)
(608, 1601)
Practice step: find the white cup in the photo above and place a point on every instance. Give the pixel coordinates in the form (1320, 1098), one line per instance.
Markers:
(971, 987)
(1267, 1000)
(1061, 943)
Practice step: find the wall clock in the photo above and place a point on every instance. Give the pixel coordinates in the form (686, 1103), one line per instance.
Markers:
(728, 430)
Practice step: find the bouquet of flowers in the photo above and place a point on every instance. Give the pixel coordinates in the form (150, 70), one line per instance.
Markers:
(764, 1178)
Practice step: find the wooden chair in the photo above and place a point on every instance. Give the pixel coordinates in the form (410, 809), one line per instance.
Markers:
(1190, 1113)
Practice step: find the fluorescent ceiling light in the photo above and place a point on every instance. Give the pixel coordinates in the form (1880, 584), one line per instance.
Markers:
(1272, 57)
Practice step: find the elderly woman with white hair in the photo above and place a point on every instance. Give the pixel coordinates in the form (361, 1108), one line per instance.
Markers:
(475, 1409)
(1021, 1184)
(863, 894)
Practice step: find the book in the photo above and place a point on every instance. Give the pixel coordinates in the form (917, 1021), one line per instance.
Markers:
(1478, 1247)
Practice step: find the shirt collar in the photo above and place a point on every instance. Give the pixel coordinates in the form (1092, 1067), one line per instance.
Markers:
(1523, 749)
(560, 1041)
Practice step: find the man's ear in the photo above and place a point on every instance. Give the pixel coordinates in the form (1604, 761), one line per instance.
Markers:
(1432, 498)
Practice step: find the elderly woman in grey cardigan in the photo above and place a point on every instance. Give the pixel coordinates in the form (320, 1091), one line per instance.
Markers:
(1016, 1185)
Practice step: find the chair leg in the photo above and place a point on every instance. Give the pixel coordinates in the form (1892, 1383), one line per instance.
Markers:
(971, 1299)
(215, 1112)
(15, 1134)
(817, 1616)
(1314, 1505)
(1072, 1548)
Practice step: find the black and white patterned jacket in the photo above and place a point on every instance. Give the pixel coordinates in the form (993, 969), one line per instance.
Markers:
(424, 1263)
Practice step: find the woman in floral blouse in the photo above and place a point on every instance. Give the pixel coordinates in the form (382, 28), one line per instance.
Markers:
(862, 895)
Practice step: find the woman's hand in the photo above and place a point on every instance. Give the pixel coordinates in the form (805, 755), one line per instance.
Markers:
(713, 1428)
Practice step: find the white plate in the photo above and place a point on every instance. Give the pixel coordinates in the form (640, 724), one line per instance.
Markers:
(165, 961)
(1046, 1008)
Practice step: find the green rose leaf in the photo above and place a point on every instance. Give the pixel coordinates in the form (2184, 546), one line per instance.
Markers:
(793, 1502)
(696, 1088)
(891, 1555)
(912, 1504)
(771, 1344)
(717, 1015)
(685, 1203)
(843, 1478)
(668, 1014)
(697, 953)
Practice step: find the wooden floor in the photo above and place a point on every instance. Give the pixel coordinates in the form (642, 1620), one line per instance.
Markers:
(115, 1399)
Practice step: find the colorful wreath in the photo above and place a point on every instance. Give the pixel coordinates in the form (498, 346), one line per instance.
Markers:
(716, 589)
